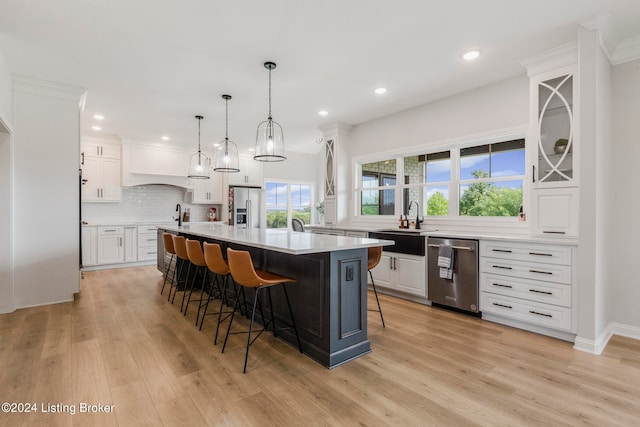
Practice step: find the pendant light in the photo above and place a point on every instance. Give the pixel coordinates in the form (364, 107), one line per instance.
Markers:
(226, 159)
(269, 137)
(199, 162)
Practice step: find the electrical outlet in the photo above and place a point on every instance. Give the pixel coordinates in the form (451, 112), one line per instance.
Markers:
(349, 273)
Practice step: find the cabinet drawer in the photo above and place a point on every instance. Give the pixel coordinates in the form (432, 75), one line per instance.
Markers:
(532, 290)
(147, 228)
(117, 230)
(147, 239)
(527, 270)
(147, 254)
(548, 254)
(531, 312)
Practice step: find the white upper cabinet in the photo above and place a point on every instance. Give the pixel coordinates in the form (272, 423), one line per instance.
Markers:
(100, 172)
(251, 173)
(554, 135)
(208, 191)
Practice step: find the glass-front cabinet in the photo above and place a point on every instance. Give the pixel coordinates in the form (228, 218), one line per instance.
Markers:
(554, 164)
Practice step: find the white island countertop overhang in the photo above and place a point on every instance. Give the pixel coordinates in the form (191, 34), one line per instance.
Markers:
(279, 240)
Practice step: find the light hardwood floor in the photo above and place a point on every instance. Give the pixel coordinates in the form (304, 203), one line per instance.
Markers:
(120, 343)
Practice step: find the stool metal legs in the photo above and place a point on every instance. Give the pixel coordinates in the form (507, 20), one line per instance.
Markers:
(379, 310)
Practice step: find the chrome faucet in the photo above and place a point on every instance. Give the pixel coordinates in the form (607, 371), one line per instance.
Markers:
(418, 220)
(179, 219)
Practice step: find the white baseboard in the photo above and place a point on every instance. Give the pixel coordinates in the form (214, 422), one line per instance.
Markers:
(598, 345)
(112, 266)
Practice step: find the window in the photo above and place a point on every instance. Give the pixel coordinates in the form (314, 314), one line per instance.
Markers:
(491, 178)
(426, 179)
(378, 188)
(286, 201)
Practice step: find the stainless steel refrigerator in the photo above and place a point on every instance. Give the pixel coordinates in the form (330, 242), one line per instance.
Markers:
(245, 207)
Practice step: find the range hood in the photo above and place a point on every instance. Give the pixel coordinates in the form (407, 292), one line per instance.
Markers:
(134, 179)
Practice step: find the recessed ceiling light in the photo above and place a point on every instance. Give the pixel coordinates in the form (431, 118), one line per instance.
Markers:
(98, 117)
(380, 90)
(252, 149)
(471, 55)
(323, 112)
(216, 144)
(96, 128)
(164, 138)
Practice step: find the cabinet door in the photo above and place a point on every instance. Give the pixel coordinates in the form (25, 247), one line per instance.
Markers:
(555, 211)
(110, 180)
(411, 275)
(216, 191)
(110, 249)
(90, 180)
(89, 246)
(130, 244)
(330, 211)
(383, 273)
(553, 95)
(251, 173)
(200, 191)
(97, 149)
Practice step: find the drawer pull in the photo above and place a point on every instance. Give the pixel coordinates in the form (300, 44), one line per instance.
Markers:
(539, 254)
(502, 305)
(502, 267)
(554, 232)
(540, 292)
(540, 272)
(109, 230)
(540, 314)
(502, 286)
(502, 250)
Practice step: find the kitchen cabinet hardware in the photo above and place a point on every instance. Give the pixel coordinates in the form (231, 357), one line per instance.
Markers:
(540, 314)
(553, 232)
(502, 305)
(82, 158)
(120, 240)
(539, 254)
(540, 272)
(84, 181)
(533, 177)
(110, 230)
(502, 267)
(540, 292)
(502, 286)
(461, 248)
(502, 250)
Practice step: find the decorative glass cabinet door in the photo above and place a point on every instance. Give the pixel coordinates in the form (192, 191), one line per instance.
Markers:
(555, 163)
(329, 183)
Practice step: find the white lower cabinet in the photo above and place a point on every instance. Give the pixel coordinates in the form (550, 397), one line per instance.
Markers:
(555, 211)
(528, 282)
(110, 245)
(147, 242)
(401, 272)
(130, 243)
(89, 246)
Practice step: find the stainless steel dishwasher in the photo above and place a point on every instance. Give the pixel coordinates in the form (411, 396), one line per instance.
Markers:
(461, 291)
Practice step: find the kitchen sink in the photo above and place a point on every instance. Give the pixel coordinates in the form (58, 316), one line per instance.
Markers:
(410, 242)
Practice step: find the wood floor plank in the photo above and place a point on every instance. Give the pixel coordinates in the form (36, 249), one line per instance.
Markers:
(120, 342)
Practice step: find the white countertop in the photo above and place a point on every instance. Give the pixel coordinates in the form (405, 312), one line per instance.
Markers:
(141, 222)
(280, 240)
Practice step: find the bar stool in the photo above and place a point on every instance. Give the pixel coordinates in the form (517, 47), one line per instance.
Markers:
(374, 255)
(168, 247)
(180, 248)
(219, 267)
(196, 257)
(245, 275)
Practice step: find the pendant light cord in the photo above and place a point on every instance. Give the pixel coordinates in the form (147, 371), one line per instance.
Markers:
(269, 93)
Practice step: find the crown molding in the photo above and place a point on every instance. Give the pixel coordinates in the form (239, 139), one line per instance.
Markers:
(628, 50)
(617, 51)
(33, 86)
(558, 57)
(335, 129)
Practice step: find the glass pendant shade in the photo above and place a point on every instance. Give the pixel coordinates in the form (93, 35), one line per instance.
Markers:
(269, 136)
(226, 159)
(199, 162)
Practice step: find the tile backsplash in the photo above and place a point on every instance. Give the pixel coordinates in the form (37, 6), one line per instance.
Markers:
(153, 203)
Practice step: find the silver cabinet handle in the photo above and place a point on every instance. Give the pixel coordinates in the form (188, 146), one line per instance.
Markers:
(110, 230)
(502, 305)
(390, 263)
(97, 150)
(540, 314)
(120, 240)
(540, 272)
(540, 292)
(502, 286)
(98, 191)
(462, 248)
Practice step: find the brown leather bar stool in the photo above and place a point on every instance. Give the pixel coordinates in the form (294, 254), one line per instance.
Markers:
(196, 257)
(180, 247)
(220, 269)
(245, 275)
(374, 255)
(168, 247)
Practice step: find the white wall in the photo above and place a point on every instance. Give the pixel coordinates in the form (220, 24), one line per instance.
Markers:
(6, 206)
(46, 225)
(624, 286)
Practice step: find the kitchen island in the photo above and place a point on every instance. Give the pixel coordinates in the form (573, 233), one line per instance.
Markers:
(329, 297)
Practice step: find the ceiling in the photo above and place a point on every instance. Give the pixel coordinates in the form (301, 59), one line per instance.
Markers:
(150, 67)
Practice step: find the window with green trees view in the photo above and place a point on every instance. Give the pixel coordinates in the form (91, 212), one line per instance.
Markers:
(286, 201)
(481, 180)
